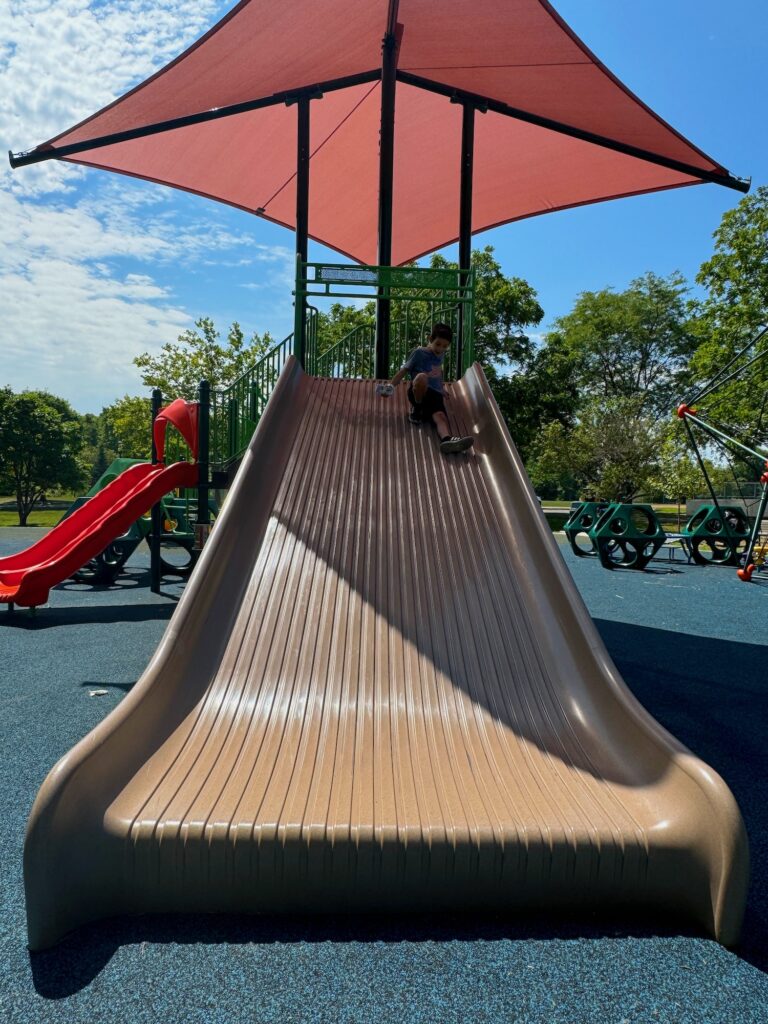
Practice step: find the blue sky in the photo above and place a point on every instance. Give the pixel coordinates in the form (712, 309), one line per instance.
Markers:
(95, 268)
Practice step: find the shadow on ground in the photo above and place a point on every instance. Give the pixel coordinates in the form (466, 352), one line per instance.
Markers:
(75, 962)
(80, 615)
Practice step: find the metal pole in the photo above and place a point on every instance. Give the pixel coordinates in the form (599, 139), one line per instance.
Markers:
(203, 468)
(157, 518)
(761, 456)
(715, 381)
(465, 218)
(386, 167)
(302, 226)
(756, 528)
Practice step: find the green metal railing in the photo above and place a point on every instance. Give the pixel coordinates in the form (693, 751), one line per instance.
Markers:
(352, 356)
(418, 296)
(237, 408)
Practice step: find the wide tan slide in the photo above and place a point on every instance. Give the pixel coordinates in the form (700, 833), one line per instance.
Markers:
(381, 691)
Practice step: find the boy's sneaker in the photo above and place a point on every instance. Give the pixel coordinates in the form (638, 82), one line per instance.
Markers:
(456, 444)
(414, 416)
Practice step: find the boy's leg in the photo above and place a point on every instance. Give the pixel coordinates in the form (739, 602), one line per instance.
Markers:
(420, 385)
(448, 442)
(441, 422)
(416, 393)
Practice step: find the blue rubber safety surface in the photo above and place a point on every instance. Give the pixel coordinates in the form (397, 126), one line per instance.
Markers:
(692, 645)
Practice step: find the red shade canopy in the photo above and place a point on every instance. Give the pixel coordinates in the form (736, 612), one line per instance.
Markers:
(560, 130)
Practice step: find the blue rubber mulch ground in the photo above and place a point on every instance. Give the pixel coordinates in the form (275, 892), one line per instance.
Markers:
(691, 643)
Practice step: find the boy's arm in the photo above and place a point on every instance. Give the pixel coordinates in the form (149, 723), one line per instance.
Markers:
(389, 389)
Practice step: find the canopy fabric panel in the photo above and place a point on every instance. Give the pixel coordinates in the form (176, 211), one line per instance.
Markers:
(255, 163)
(522, 53)
(516, 52)
(518, 169)
(260, 48)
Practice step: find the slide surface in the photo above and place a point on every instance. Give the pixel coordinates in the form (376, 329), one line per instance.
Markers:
(26, 577)
(381, 691)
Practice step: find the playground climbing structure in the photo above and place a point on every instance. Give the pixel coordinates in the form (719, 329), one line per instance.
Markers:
(732, 538)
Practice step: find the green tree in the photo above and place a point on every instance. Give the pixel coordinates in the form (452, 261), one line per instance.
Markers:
(540, 393)
(199, 354)
(735, 307)
(40, 443)
(504, 308)
(550, 463)
(631, 344)
(736, 276)
(126, 428)
(99, 465)
(614, 449)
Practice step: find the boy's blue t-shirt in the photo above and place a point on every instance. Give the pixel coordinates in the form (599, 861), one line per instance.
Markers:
(424, 360)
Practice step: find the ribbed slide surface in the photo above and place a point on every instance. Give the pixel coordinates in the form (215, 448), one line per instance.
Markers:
(389, 696)
(383, 679)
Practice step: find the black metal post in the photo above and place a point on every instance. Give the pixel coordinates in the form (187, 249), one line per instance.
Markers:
(302, 225)
(465, 217)
(203, 469)
(386, 168)
(156, 535)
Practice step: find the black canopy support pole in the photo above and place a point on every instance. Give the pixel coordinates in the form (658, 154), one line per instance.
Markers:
(36, 156)
(155, 539)
(302, 224)
(485, 102)
(465, 217)
(386, 177)
(203, 461)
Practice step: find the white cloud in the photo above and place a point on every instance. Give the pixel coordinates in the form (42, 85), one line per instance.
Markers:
(74, 330)
(62, 60)
(73, 315)
(88, 259)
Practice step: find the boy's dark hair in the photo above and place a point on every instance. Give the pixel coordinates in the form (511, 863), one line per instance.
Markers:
(441, 331)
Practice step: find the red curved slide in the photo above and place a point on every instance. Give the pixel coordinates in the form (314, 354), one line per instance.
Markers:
(26, 577)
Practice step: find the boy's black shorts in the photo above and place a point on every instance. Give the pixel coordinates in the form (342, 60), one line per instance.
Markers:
(431, 403)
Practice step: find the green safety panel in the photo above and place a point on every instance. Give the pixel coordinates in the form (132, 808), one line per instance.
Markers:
(579, 523)
(718, 536)
(627, 536)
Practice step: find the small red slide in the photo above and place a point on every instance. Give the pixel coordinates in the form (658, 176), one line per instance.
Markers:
(26, 577)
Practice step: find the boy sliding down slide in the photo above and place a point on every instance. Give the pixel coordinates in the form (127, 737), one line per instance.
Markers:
(426, 390)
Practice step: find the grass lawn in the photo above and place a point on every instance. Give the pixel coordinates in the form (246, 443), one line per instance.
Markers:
(40, 517)
(47, 517)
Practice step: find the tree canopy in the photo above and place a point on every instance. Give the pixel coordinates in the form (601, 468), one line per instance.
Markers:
(504, 308)
(630, 344)
(40, 442)
(733, 310)
(199, 354)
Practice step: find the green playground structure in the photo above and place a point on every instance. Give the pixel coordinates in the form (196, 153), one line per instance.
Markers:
(178, 517)
(629, 536)
(621, 535)
(718, 535)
